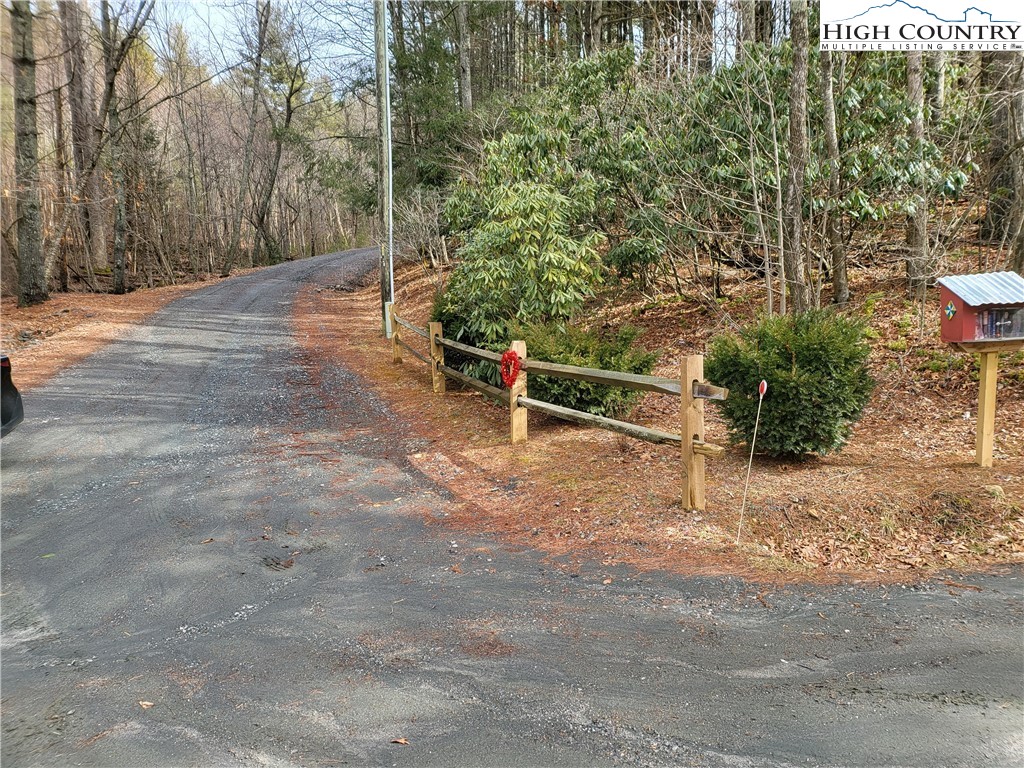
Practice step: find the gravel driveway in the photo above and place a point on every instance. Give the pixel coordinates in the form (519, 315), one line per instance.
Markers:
(205, 565)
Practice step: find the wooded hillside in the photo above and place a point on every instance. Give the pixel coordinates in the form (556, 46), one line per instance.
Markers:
(652, 143)
(165, 145)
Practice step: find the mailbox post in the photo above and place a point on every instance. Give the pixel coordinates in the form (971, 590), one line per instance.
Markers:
(984, 314)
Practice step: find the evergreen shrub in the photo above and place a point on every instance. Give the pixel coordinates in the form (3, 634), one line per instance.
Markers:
(609, 350)
(818, 384)
(553, 342)
(454, 312)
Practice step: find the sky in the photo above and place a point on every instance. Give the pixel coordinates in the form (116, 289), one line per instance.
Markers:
(340, 32)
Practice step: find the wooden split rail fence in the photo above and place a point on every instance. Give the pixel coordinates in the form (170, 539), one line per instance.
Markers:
(690, 387)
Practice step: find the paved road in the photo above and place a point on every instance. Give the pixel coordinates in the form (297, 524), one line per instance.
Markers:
(324, 619)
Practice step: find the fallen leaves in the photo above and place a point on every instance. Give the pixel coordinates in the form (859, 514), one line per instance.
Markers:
(584, 493)
(403, 741)
(71, 326)
(146, 704)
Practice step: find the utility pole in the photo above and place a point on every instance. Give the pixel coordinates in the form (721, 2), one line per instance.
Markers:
(384, 169)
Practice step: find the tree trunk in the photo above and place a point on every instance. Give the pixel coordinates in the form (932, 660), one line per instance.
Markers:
(555, 40)
(401, 57)
(764, 22)
(32, 288)
(134, 30)
(647, 26)
(1004, 218)
(919, 269)
(60, 148)
(262, 23)
(794, 259)
(833, 231)
(703, 41)
(84, 123)
(574, 31)
(747, 28)
(465, 77)
(1016, 137)
(266, 198)
(383, 178)
(193, 212)
(937, 87)
(295, 85)
(596, 8)
(110, 44)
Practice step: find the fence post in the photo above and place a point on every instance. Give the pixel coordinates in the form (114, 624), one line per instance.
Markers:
(691, 413)
(988, 365)
(396, 350)
(517, 413)
(436, 357)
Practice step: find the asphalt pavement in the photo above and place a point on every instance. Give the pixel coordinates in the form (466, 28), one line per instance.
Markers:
(207, 562)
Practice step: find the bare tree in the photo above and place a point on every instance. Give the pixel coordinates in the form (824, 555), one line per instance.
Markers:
(794, 257)
(702, 40)
(289, 67)
(937, 86)
(834, 242)
(84, 124)
(747, 28)
(919, 269)
(109, 41)
(1004, 219)
(32, 288)
(132, 32)
(256, 57)
(595, 26)
(764, 21)
(1015, 119)
(465, 46)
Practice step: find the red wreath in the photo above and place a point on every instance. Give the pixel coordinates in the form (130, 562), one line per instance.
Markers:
(510, 367)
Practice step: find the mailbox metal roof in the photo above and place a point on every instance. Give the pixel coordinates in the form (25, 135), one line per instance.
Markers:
(987, 288)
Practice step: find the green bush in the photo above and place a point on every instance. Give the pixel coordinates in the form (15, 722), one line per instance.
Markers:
(453, 312)
(524, 262)
(529, 251)
(554, 343)
(612, 351)
(816, 368)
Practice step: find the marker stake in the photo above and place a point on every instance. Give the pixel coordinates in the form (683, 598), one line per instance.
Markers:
(762, 388)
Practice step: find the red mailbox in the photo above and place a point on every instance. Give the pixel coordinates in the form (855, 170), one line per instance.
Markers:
(984, 314)
(986, 308)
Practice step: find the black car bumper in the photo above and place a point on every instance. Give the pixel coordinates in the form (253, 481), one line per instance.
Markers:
(11, 408)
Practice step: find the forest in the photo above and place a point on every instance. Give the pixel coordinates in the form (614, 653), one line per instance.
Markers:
(155, 143)
(541, 149)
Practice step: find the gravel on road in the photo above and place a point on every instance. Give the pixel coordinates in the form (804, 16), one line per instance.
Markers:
(206, 561)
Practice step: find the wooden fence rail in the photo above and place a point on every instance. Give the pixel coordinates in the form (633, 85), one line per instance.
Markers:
(602, 422)
(690, 388)
(598, 376)
(405, 324)
(479, 386)
(413, 352)
(480, 354)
